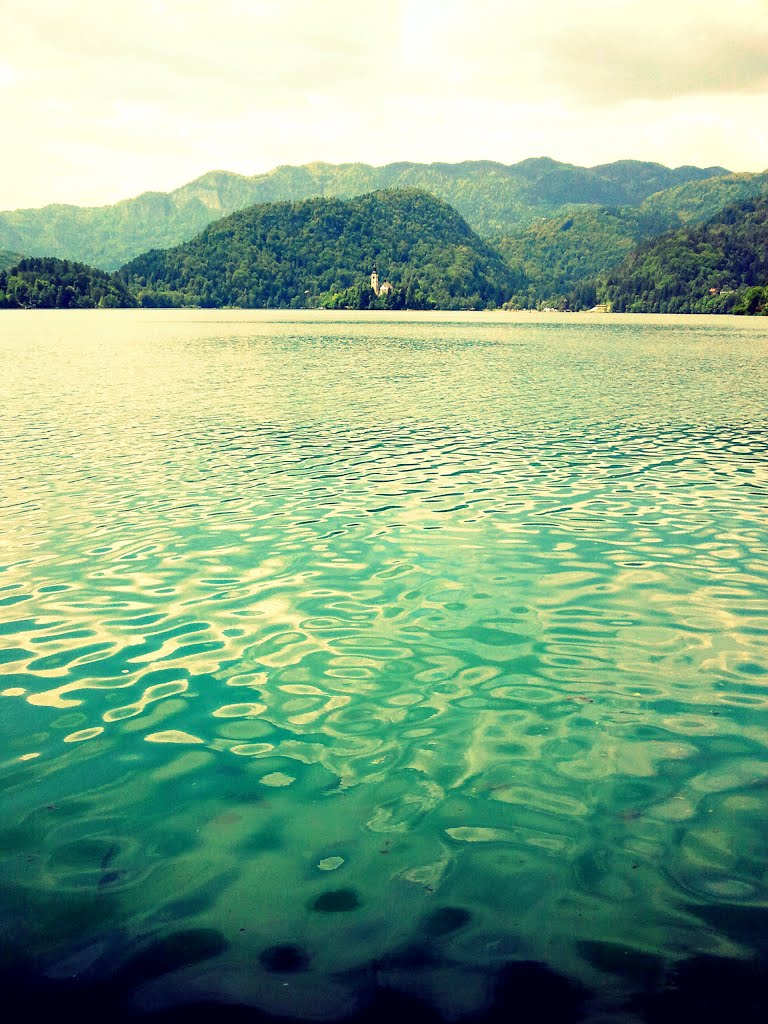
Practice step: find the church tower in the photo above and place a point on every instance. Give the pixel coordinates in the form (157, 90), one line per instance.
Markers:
(375, 280)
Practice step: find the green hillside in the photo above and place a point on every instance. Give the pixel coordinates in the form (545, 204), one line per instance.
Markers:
(717, 267)
(50, 283)
(698, 201)
(494, 198)
(559, 257)
(562, 256)
(321, 252)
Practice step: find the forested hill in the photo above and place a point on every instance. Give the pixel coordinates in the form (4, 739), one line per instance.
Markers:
(50, 283)
(695, 201)
(717, 267)
(494, 198)
(561, 254)
(321, 252)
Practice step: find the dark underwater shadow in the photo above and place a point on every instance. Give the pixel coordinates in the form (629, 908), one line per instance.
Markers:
(707, 990)
(523, 992)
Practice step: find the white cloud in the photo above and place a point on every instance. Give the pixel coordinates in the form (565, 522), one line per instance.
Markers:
(105, 99)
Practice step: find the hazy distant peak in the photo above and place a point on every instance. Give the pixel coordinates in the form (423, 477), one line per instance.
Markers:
(539, 164)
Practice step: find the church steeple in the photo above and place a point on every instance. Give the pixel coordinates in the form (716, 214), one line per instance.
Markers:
(375, 280)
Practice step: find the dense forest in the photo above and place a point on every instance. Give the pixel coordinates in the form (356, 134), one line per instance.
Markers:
(50, 283)
(494, 198)
(320, 252)
(560, 257)
(717, 267)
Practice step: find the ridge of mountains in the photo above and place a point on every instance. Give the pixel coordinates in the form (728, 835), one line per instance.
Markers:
(494, 198)
(694, 246)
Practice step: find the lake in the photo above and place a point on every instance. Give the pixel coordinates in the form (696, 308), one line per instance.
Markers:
(366, 664)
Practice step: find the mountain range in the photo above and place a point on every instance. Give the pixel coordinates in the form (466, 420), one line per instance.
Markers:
(466, 235)
(494, 198)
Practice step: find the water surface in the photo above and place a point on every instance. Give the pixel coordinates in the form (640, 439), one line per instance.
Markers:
(350, 654)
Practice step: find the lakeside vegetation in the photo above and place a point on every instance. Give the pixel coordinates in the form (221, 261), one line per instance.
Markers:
(50, 283)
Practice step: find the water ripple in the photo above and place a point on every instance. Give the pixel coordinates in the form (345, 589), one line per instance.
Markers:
(471, 612)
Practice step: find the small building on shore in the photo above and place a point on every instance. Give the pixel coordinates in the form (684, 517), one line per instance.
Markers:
(379, 289)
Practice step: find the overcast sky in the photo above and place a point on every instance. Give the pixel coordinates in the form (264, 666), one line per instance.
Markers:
(102, 100)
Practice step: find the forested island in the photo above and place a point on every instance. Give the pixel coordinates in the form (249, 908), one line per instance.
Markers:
(691, 240)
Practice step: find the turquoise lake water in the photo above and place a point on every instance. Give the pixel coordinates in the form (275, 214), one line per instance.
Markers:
(350, 654)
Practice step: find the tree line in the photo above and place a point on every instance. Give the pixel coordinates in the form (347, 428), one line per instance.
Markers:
(51, 283)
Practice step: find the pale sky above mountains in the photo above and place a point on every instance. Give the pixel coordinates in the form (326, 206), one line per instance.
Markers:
(103, 99)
